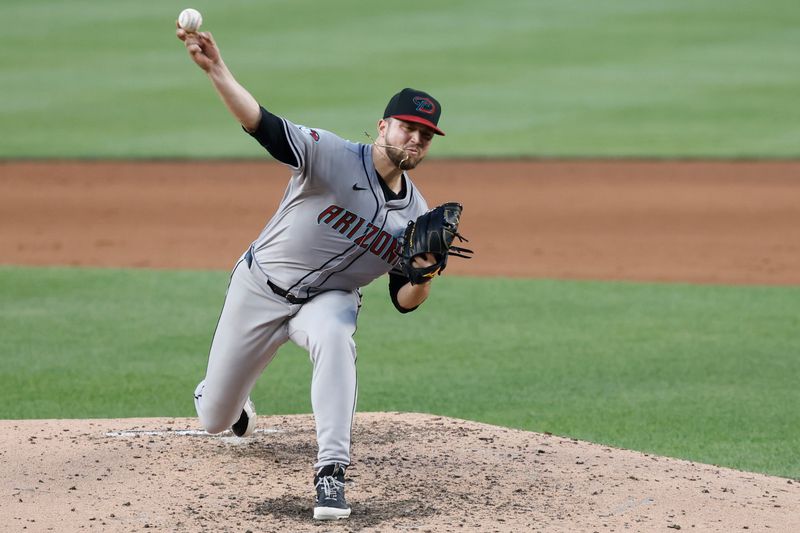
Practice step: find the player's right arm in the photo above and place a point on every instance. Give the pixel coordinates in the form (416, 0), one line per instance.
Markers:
(205, 53)
(260, 123)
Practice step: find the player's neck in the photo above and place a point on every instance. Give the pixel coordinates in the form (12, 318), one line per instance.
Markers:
(395, 184)
(389, 173)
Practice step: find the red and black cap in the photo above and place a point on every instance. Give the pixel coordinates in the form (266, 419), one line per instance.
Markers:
(412, 105)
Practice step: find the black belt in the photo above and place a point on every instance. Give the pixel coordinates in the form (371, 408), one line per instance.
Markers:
(291, 298)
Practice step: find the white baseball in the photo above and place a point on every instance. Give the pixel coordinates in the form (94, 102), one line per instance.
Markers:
(190, 19)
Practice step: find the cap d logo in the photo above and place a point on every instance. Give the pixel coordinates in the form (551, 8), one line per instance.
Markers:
(424, 105)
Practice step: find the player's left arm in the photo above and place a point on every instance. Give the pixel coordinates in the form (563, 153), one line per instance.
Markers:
(425, 247)
(406, 296)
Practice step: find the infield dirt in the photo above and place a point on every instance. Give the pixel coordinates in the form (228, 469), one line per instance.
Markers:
(707, 222)
(697, 222)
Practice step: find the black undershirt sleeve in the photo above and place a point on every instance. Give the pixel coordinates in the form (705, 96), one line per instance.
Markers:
(271, 135)
(396, 281)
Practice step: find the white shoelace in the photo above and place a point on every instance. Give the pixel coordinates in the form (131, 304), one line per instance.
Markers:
(330, 485)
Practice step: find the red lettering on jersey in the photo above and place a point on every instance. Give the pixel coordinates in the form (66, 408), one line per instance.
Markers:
(355, 229)
(380, 243)
(363, 241)
(329, 214)
(373, 238)
(344, 222)
(392, 252)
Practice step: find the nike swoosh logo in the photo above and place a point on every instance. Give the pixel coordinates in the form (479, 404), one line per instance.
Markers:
(357, 188)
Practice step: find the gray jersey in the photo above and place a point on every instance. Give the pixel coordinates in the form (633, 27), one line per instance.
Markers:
(334, 228)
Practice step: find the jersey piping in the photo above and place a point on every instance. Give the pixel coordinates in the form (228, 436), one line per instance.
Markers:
(297, 153)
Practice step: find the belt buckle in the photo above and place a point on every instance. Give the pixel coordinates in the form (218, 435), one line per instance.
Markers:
(290, 298)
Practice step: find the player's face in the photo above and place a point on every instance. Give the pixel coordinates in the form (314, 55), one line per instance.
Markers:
(414, 140)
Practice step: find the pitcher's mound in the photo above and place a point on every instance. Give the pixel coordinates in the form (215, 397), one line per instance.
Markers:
(409, 472)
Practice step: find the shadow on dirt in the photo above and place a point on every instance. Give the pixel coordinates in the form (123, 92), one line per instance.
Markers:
(369, 513)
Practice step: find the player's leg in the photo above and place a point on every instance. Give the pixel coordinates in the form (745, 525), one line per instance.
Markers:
(325, 327)
(251, 327)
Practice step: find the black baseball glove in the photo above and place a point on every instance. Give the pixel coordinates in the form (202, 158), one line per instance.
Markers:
(433, 232)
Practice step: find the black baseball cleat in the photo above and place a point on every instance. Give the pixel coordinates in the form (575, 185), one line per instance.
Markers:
(246, 425)
(330, 503)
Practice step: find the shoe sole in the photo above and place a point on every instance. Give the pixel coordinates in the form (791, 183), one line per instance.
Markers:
(330, 513)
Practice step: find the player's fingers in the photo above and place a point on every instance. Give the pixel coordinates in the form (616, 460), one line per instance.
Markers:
(209, 46)
(191, 39)
(207, 37)
(423, 260)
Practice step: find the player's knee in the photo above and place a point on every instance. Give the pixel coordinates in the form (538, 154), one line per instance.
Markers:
(213, 425)
(212, 419)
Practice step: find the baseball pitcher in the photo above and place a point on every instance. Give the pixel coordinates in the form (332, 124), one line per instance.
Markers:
(350, 214)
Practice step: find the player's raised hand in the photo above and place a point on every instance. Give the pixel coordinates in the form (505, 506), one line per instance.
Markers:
(201, 47)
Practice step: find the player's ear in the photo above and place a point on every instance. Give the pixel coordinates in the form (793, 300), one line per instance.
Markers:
(382, 125)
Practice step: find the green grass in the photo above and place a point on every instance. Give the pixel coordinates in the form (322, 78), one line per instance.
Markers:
(663, 78)
(707, 373)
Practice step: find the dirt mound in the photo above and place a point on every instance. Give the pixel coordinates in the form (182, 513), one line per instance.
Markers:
(410, 472)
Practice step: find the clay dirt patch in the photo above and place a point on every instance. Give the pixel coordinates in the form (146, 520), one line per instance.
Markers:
(411, 472)
(691, 221)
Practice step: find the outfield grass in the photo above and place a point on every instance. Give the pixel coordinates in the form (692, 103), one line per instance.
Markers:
(700, 372)
(661, 78)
